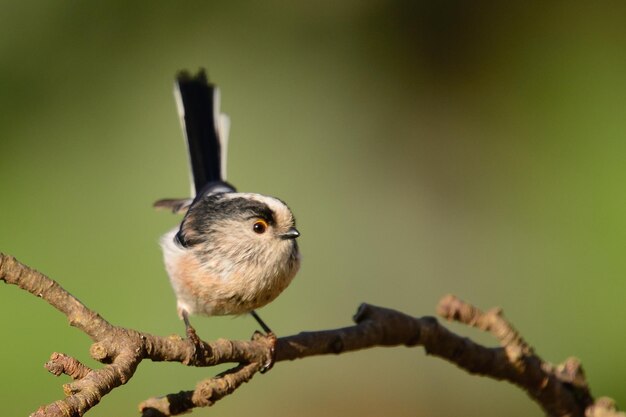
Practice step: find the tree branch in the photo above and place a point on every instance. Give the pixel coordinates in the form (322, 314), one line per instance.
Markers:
(560, 390)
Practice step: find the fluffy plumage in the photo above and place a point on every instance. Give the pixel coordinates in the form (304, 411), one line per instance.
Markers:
(233, 252)
(218, 264)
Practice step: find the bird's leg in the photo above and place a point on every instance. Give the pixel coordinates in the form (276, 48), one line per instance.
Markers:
(269, 334)
(264, 326)
(191, 332)
(200, 348)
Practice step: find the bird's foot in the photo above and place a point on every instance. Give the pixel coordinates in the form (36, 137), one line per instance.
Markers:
(193, 336)
(200, 348)
(270, 340)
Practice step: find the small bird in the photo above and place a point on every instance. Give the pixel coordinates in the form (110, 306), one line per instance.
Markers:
(233, 252)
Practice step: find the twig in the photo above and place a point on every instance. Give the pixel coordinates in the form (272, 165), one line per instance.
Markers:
(560, 390)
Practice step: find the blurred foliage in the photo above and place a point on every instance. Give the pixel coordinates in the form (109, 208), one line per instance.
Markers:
(475, 148)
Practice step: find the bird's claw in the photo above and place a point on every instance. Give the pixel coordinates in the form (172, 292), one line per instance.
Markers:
(270, 339)
(193, 336)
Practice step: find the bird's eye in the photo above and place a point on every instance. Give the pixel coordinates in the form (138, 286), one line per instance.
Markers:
(260, 226)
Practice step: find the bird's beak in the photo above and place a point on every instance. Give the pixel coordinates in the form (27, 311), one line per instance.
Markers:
(290, 234)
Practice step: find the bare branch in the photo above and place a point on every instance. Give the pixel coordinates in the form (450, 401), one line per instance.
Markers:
(560, 390)
(60, 363)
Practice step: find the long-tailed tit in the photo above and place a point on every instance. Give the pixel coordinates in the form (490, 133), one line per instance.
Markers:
(233, 252)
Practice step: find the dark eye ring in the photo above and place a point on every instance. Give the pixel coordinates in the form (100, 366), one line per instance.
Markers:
(259, 226)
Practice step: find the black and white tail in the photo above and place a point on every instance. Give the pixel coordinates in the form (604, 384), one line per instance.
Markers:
(205, 129)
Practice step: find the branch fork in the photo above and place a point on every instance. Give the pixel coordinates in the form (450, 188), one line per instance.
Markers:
(560, 390)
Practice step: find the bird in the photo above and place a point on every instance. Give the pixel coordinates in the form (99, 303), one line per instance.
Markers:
(233, 252)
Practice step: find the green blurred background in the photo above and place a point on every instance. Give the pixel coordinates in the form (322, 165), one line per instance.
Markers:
(474, 148)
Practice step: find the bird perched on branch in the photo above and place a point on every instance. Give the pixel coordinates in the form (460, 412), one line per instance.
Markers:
(233, 252)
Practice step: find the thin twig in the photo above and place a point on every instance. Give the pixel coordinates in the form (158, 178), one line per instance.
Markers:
(560, 390)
